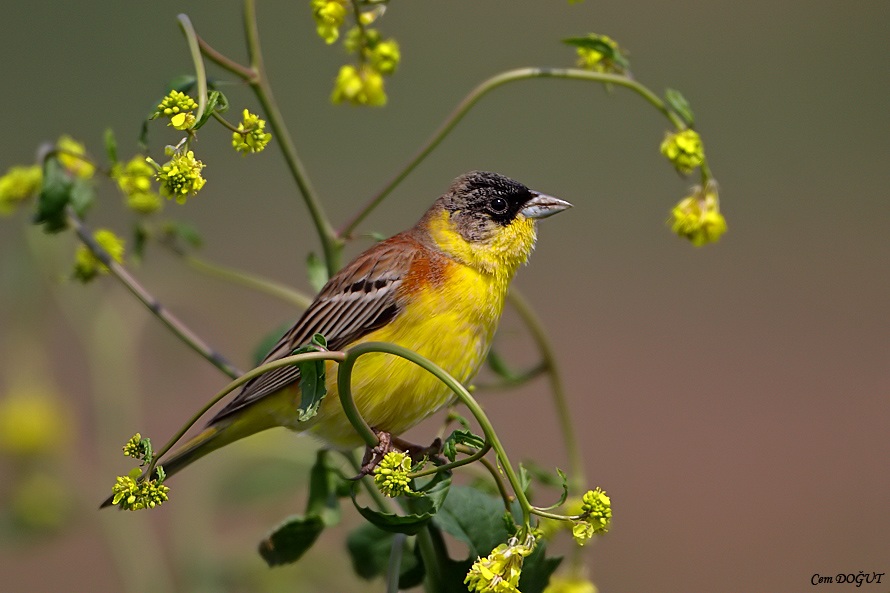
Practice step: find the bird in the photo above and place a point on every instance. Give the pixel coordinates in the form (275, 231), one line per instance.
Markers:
(438, 289)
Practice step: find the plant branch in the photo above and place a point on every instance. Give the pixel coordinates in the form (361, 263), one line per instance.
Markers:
(473, 97)
(195, 51)
(146, 298)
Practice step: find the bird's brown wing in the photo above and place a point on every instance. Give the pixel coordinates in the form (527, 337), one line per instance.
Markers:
(356, 301)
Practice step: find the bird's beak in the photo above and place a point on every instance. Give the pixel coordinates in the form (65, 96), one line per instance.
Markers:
(542, 206)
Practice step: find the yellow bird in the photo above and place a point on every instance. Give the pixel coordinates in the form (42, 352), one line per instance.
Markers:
(437, 289)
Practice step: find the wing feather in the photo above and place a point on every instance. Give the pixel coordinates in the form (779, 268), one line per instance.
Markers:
(358, 300)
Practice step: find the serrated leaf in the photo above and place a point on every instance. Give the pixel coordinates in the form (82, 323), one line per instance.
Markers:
(110, 146)
(680, 105)
(55, 196)
(324, 486)
(317, 271)
(290, 540)
(312, 379)
(420, 508)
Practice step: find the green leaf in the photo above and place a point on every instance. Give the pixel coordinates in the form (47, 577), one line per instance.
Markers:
(83, 194)
(290, 540)
(317, 271)
(473, 518)
(140, 240)
(680, 105)
(460, 437)
(324, 486)
(110, 146)
(216, 102)
(54, 197)
(312, 379)
(176, 232)
(370, 548)
(421, 508)
(596, 43)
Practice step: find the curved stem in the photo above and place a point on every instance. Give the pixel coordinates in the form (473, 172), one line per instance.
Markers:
(352, 354)
(146, 298)
(473, 97)
(505, 496)
(254, 373)
(331, 245)
(200, 74)
(557, 388)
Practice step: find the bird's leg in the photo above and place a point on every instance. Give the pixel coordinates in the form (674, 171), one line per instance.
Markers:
(388, 443)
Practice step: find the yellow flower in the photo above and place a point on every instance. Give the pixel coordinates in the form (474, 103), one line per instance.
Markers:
(19, 184)
(72, 157)
(697, 217)
(178, 107)
(569, 584)
(499, 572)
(130, 494)
(391, 474)
(181, 176)
(87, 265)
(582, 531)
(359, 87)
(135, 179)
(684, 149)
(605, 56)
(251, 135)
(32, 422)
(385, 56)
(328, 15)
(597, 505)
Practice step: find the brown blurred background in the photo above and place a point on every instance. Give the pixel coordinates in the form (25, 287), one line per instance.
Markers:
(733, 400)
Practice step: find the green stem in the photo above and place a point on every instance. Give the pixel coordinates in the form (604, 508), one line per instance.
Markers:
(474, 456)
(496, 476)
(432, 553)
(394, 568)
(331, 245)
(146, 298)
(258, 283)
(557, 388)
(200, 74)
(514, 380)
(260, 370)
(471, 99)
(343, 379)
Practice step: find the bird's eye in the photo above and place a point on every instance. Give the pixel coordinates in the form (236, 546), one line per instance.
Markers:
(498, 205)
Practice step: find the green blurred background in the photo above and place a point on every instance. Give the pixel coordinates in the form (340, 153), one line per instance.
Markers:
(733, 400)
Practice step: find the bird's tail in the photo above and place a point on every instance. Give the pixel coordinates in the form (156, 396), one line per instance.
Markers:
(209, 440)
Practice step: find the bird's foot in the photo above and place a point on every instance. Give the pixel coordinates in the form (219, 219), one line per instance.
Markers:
(388, 443)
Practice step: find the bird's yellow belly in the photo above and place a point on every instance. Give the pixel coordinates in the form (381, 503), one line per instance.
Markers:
(393, 394)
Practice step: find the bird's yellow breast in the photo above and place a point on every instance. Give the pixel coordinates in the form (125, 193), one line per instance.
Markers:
(451, 324)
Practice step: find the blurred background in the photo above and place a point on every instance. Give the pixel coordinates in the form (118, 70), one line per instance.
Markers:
(733, 399)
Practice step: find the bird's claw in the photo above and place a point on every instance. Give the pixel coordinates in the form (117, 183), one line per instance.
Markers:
(387, 443)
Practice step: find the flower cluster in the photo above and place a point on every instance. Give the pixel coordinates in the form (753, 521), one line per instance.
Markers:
(361, 83)
(139, 448)
(684, 149)
(178, 107)
(180, 176)
(499, 572)
(72, 156)
(697, 216)
(251, 135)
(131, 494)
(87, 266)
(601, 53)
(391, 474)
(19, 184)
(329, 16)
(135, 180)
